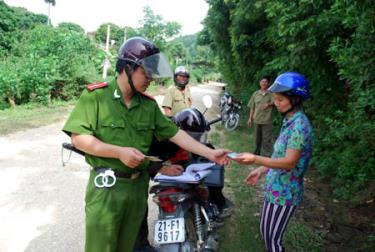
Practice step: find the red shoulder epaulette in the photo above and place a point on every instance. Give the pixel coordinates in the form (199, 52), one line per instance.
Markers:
(94, 86)
(148, 96)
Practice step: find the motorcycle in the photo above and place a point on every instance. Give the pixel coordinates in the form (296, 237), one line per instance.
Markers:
(188, 216)
(230, 111)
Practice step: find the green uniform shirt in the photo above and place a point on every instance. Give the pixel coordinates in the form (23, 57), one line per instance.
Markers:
(103, 114)
(177, 100)
(256, 102)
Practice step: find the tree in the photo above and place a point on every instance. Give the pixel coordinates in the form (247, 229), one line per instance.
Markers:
(71, 27)
(177, 53)
(13, 22)
(332, 44)
(49, 2)
(117, 33)
(154, 28)
(59, 64)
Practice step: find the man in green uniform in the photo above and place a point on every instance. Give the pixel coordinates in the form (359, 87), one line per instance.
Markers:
(178, 97)
(261, 104)
(114, 124)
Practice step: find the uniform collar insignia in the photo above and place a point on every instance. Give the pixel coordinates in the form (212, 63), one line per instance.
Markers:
(115, 94)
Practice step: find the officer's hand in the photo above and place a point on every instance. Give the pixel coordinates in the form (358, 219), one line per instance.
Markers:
(131, 157)
(219, 156)
(171, 170)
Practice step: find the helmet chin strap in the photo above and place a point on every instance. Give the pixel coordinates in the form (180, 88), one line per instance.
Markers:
(289, 110)
(130, 81)
(180, 87)
(295, 102)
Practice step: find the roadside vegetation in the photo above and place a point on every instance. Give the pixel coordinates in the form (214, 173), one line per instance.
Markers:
(333, 44)
(40, 63)
(32, 115)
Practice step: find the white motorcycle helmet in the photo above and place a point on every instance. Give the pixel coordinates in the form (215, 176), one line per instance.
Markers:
(181, 71)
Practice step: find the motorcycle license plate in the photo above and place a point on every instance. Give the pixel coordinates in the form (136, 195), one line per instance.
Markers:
(169, 231)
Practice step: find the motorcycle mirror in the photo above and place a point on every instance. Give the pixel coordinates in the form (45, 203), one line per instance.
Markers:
(207, 101)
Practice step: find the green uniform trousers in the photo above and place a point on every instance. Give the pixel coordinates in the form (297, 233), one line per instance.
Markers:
(114, 215)
(263, 139)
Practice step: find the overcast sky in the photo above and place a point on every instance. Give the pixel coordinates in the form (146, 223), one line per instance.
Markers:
(89, 14)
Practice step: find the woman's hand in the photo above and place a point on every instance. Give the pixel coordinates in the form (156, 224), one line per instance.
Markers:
(245, 158)
(171, 170)
(255, 175)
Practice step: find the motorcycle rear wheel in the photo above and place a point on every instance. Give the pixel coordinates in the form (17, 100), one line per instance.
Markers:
(191, 235)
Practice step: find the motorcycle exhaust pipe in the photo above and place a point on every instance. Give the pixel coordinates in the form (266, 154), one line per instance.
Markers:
(212, 243)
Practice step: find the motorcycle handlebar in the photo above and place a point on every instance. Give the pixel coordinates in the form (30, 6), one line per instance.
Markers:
(214, 121)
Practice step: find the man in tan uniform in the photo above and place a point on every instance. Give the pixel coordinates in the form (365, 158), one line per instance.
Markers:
(261, 104)
(178, 97)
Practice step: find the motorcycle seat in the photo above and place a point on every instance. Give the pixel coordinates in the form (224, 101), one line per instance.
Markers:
(163, 185)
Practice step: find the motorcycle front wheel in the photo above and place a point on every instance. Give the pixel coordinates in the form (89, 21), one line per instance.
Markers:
(232, 122)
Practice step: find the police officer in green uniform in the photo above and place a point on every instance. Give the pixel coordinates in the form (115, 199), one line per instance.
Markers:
(113, 123)
(178, 97)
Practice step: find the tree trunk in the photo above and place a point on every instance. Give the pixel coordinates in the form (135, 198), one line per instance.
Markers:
(12, 102)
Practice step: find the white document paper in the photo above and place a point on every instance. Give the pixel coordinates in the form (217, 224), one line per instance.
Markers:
(193, 174)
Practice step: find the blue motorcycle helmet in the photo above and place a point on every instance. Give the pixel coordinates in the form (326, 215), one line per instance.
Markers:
(291, 84)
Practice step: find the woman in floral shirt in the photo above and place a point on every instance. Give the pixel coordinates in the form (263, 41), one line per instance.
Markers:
(289, 162)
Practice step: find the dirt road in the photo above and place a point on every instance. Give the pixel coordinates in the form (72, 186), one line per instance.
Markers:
(42, 202)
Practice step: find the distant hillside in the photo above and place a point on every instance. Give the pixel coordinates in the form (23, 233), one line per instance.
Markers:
(189, 41)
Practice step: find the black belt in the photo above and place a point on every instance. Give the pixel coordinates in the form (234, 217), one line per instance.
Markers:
(120, 174)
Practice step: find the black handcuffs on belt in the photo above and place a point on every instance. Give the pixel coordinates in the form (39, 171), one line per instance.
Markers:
(107, 177)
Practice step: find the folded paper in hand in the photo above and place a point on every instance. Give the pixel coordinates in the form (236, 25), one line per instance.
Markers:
(153, 158)
(193, 174)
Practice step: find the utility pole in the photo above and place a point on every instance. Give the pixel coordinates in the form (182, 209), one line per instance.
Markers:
(125, 34)
(49, 12)
(106, 62)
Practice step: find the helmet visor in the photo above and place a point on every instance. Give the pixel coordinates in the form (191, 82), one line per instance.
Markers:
(156, 66)
(277, 88)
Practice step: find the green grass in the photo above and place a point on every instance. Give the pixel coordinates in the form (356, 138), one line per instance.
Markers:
(241, 230)
(32, 115)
